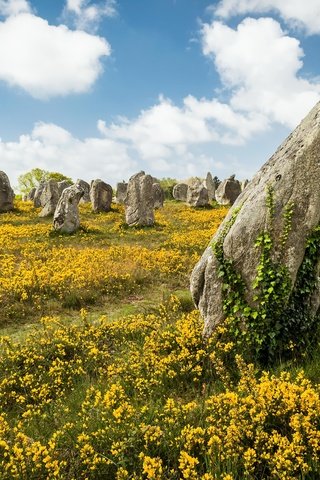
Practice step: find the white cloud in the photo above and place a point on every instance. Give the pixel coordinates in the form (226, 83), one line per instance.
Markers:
(87, 15)
(14, 7)
(259, 64)
(46, 60)
(298, 13)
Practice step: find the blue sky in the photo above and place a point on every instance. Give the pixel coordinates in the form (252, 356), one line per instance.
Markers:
(102, 89)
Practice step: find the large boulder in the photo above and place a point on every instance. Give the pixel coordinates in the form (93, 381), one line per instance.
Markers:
(37, 194)
(86, 188)
(6, 193)
(66, 217)
(197, 196)
(180, 192)
(62, 186)
(158, 195)
(139, 200)
(101, 196)
(49, 198)
(121, 192)
(210, 186)
(228, 191)
(283, 199)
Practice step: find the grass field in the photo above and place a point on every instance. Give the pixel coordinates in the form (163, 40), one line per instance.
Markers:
(104, 373)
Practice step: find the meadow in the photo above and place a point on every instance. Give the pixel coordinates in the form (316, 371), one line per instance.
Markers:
(104, 373)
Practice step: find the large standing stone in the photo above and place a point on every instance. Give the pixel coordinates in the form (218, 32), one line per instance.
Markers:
(197, 196)
(228, 191)
(210, 186)
(139, 200)
(6, 193)
(66, 217)
(37, 194)
(293, 173)
(244, 183)
(121, 192)
(158, 195)
(101, 196)
(86, 188)
(62, 186)
(31, 194)
(180, 192)
(49, 198)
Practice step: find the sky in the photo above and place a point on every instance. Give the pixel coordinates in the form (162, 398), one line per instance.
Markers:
(106, 88)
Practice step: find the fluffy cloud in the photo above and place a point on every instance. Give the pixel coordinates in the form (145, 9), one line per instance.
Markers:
(13, 7)
(259, 64)
(299, 13)
(86, 15)
(47, 60)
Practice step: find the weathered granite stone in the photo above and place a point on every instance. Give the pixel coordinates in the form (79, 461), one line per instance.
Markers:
(180, 192)
(228, 191)
(66, 217)
(37, 194)
(86, 188)
(49, 198)
(293, 173)
(101, 196)
(139, 200)
(210, 186)
(158, 195)
(62, 186)
(121, 192)
(31, 194)
(197, 196)
(6, 193)
(244, 184)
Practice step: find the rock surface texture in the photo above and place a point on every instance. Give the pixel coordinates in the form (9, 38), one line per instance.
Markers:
(228, 191)
(101, 196)
(49, 198)
(210, 186)
(139, 200)
(62, 186)
(6, 193)
(86, 188)
(121, 192)
(37, 194)
(180, 192)
(158, 195)
(293, 173)
(66, 217)
(31, 194)
(197, 196)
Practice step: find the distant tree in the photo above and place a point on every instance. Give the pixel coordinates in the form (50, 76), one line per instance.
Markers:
(167, 185)
(217, 181)
(32, 179)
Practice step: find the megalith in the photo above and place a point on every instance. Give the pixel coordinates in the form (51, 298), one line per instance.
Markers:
(86, 188)
(283, 199)
(66, 217)
(228, 191)
(37, 194)
(210, 186)
(197, 196)
(101, 196)
(180, 192)
(139, 202)
(49, 198)
(121, 192)
(158, 195)
(6, 193)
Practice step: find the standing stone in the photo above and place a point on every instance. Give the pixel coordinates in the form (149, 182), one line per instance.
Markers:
(101, 196)
(158, 195)
(24, 197)
(49, 198)
(121, 192)
(197, 196)
(180, 192)
(139, 200)
(6, 193)
(62, 186)
(210, 186)
(66, 217)
(293, 173)
(86, 188)
(228, 191)
(37, 194)
(30, 195)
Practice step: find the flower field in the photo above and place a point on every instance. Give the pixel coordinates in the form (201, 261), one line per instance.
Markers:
(141, 396)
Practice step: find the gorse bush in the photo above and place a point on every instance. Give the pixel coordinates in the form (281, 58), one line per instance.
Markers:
(144, 397)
